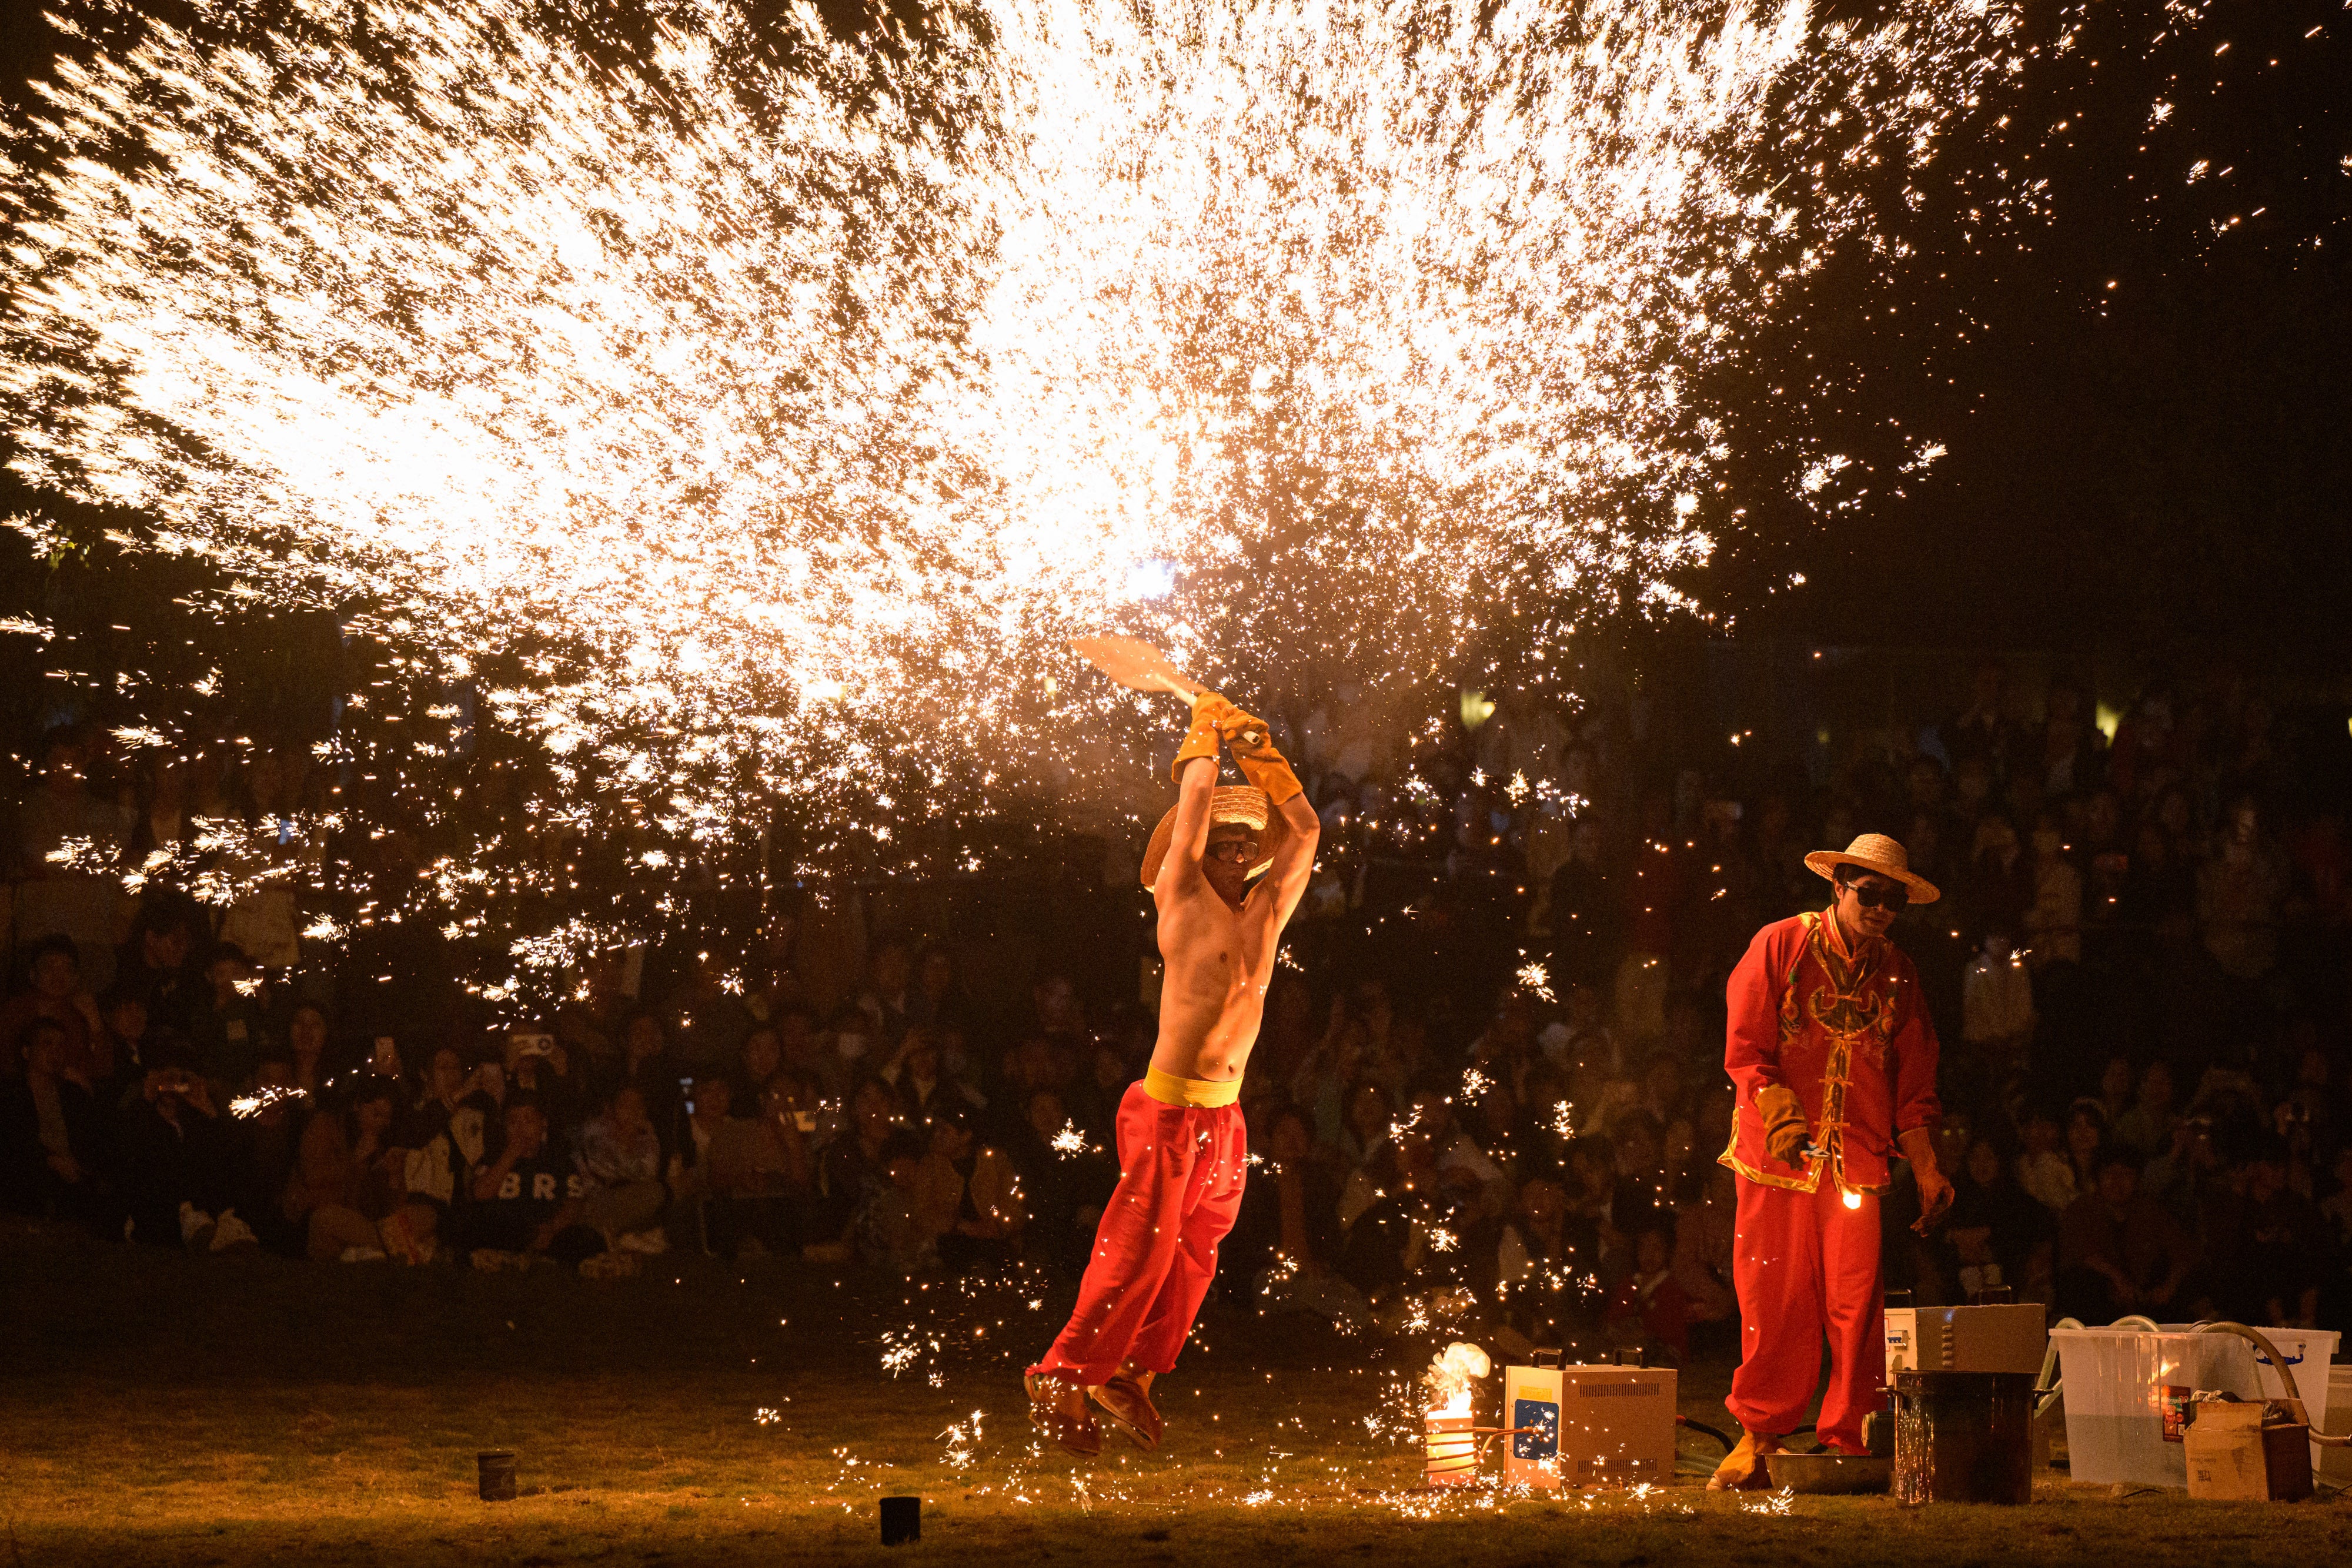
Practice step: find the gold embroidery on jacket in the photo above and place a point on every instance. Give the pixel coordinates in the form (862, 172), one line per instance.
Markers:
(1858, 1020)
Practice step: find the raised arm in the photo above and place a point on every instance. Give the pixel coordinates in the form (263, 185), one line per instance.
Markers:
(1252, 743)
(1196, 780)
(1294, 864)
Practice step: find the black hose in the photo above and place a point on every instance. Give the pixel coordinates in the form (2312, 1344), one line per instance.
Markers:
(1703, 1426)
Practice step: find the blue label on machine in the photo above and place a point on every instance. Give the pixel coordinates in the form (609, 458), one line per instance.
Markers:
(1543, 1441)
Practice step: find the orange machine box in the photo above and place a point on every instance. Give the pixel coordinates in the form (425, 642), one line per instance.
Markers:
(1589, 1426)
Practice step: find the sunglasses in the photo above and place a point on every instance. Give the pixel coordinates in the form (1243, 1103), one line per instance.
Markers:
(1243, 850)
(1881, 896)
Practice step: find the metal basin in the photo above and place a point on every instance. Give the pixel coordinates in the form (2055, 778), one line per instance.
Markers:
(1825, 1472)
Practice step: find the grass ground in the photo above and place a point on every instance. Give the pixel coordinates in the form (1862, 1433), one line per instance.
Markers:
(166, 1409)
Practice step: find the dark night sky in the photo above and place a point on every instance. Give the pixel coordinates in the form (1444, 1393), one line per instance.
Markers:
(2165, 458)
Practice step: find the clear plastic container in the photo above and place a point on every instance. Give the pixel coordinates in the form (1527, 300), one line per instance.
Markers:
(2115, 1382)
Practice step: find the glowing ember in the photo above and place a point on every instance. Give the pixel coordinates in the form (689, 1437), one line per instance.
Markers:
(262, 1098)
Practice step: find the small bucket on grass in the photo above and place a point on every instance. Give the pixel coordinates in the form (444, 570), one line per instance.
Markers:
(496, 1468)
(902, 1519)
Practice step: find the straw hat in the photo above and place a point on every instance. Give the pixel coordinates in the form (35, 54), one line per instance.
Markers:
(1875, 852)
(1237, 803)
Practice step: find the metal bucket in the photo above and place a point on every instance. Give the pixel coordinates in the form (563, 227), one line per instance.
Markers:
(496, 1468)
(1963, 1437)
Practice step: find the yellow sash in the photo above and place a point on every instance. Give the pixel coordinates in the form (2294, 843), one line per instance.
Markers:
(1170, 1090)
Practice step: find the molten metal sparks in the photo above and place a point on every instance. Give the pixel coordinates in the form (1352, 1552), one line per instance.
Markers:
(262, 1098)
(734, 425)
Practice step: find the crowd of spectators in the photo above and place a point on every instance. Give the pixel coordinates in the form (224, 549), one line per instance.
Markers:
(1489, 1085)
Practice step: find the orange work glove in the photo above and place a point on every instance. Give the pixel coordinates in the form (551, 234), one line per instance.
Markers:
(1252, 743)
(1785, 1131)
(1201, 740)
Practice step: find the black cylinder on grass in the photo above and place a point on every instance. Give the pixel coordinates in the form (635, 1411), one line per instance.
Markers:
(902, 1519)
(496, 1467)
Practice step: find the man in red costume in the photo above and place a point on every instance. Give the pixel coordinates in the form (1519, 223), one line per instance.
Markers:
(1833, 1057)
(1182, 1145)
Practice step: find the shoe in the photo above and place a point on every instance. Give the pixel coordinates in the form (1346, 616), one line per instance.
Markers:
(1126, 1402)
(649, 1243)
(195, 1227)
(1057, 1407)
(232, 1231)
(1743, 1469)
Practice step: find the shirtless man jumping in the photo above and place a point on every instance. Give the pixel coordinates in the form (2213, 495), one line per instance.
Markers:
(1181, 1145)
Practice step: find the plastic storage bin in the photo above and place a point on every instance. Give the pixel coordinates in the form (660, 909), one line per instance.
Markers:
(2116, 1381)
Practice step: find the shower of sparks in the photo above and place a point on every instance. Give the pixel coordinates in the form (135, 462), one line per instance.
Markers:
(1536, 980)
(739, 428)
(263, 1098)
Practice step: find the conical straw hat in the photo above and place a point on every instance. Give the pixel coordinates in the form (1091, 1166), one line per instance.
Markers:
(1875, 852)
(1230, 803)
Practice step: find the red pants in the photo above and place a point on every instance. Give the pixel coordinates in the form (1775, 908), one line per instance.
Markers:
(1179, 1187)
(1806, 1266)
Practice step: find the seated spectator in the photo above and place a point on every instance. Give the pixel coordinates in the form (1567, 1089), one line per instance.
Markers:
(268, 1138)
(227, 1028)
(157, 965)
(1581, 1045)
(968, 1195)
(938, 997)
(2271, 1246)
(711, 1020)
(1286, 1238)
(1543, 1265)
(1997, 1000)
(2146, 1128)
(1412, 1227)
(915, 1071)
(526, 1202)
(444, 1137)
(2044, 1172)
(851, 1170)
(1639, 1154)
(2118, 1251)
(126, 1026)
(447, 1080)
(539, 1065)
(53, 1134)
(2187, 1177)
(1370, 1115)
(57, 995)
(1648, 1311)
(173, 1156)
(763, 1174)
(1994, 1234)
(1065, 1187)
(757, 1061)
(621, 1156)
(1497, 1128)
(1706, 1226)
(349, 1176)
(892, 1230)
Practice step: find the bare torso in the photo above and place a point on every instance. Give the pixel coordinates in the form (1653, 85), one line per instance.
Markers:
(1219, 961)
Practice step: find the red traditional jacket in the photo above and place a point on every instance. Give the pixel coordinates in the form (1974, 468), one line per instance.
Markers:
(1850, 1034)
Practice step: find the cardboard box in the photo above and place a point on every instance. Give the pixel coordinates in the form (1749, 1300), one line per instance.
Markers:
(1965, 1339)
(1592, 1426)
(2233, 1458)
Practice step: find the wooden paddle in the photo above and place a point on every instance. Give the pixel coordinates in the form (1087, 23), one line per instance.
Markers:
(1137, 666)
